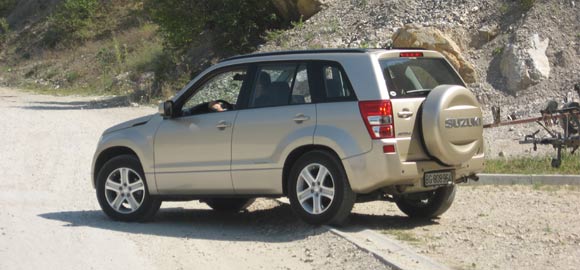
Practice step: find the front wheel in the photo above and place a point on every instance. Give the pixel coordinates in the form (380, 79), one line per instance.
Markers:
(428, 204)
(319, 190)
(122, 190)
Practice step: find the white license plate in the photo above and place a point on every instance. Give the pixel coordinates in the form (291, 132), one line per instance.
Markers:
(437, 179)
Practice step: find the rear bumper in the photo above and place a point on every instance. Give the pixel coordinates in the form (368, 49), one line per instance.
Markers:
(375, 169)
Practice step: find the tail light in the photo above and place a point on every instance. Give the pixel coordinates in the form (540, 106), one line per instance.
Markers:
(378, 118)
(411, 54)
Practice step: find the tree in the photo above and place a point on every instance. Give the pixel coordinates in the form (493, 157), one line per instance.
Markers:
(235, 25)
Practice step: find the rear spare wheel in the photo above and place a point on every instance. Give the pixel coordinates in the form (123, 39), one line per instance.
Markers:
(452, 124)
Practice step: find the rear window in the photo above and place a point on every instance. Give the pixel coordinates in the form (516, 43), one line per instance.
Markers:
(415, 77)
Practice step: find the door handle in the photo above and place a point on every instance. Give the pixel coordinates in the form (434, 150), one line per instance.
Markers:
(222, 125)
(299, 118)
(405, 114)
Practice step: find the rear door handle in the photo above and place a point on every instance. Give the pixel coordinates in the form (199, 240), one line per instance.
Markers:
(405, 114)
(222, 124)
(299, 118)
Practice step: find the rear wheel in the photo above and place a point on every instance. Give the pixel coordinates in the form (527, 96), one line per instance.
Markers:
(428, 204)
(319, 190)
(229, 204)
(122, 190)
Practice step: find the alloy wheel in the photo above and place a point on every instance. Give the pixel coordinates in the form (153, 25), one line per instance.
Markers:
(315, 188)
(125, 190)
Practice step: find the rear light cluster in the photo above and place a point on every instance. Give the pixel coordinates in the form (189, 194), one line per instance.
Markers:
(378, 118)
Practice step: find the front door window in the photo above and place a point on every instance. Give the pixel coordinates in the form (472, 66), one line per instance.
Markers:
(220, 93)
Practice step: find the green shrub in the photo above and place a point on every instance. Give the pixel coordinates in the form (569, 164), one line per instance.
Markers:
(72, 21)
(4, 27)
(233, 25)
(527, 4)
(504, 8)
(497, 51)
(6, 6)
(72, 76)
(107, 59)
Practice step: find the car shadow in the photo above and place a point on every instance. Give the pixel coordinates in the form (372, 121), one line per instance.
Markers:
(277, 224)
(112, 102)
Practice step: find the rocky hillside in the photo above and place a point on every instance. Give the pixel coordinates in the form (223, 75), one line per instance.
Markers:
(514, 53)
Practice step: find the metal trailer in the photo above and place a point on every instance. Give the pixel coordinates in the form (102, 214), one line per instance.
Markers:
(561, 123)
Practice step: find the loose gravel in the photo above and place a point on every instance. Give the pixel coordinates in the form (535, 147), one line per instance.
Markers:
(50, 217)
(491, 227)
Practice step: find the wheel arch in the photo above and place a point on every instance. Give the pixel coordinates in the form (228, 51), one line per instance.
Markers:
(295, 155)
(107, 155)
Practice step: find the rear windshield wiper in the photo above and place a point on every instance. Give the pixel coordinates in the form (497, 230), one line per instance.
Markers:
(417, 91)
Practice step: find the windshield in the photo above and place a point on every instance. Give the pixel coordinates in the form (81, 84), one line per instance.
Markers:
(415, 77)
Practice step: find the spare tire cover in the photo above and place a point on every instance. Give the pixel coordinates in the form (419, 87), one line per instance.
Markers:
(452, 124)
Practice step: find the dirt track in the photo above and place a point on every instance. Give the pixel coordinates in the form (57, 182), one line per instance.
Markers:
(50, 218)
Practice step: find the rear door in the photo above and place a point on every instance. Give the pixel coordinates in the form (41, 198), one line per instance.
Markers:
(280, 117)
(409, 80)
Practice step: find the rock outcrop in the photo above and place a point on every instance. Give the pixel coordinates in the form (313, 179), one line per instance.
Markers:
(523, 67)
(484, 35)
(413, 36)
(294, 10)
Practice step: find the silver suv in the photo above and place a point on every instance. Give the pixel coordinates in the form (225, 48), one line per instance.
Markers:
(325, 128)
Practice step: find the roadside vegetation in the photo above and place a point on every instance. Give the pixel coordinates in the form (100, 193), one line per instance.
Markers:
(533, 165)
(144, 49)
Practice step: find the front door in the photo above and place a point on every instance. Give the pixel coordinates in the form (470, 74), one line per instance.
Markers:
(193, 149)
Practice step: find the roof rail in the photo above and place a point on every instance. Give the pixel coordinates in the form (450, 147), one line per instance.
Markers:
(296, 52)
(346, 50)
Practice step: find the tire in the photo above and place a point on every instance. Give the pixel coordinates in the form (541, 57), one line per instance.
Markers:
(125, 198)
(324, 173)
(233, 205)
(429, 204)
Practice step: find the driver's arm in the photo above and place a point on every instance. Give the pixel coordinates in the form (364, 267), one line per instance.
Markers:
(216, 106)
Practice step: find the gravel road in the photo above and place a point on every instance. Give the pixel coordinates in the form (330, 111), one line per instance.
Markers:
(492, 227)
(50, 218)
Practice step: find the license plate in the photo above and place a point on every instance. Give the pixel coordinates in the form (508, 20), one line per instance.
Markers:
(437, 179)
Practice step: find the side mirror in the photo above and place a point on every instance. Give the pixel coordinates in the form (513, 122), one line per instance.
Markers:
(166, 109)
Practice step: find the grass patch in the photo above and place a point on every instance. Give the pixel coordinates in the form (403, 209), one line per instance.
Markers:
(403, 235)
(533, 165)
(497, 51)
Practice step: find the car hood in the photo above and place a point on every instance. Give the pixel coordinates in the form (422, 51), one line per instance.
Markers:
(131, 123)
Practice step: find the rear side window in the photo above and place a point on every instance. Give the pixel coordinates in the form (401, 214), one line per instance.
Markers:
(280, 84)
(415, 77)
(301, 89)
(335, 84)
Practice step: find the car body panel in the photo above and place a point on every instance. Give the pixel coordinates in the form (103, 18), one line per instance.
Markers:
(193, 156)
(346, 134)
(262, 139)
(137, 138)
